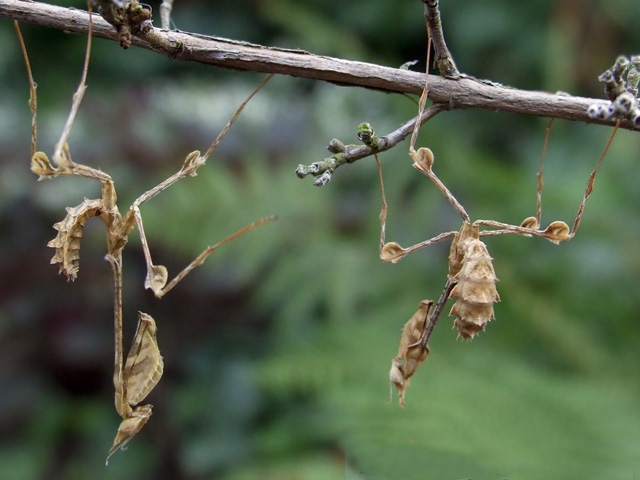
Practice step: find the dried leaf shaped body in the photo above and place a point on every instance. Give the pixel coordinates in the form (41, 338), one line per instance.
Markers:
(142, 372)
(411, 353)
(470, 264)
(144, 365)
(392, 252)
(67, 241)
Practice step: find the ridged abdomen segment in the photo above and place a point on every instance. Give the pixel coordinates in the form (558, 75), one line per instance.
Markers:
(476, 290)
(67, 242)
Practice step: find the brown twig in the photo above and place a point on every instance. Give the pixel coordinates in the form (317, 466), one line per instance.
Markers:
(443, 59)
(437, 311)
(343, 154)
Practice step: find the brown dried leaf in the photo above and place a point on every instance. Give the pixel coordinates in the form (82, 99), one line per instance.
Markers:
(145, 365)
(467, 233)
(413, 330)
(398, 378)
(411, 353)
(530, 222)
(192, 163)
(392, 252)
(41, 166)
(129, 427)
(142, 372)
(478, 289)
(557, 232)
(475, 291)
(471, 319)
(422, 159)
(157, 277)
(415, 355)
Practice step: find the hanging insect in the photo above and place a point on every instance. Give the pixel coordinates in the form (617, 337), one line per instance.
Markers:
(471, 279)
(134, 379)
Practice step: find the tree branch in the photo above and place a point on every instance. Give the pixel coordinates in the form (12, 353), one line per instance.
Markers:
(443, 61)
(343, 154)
(465, 93)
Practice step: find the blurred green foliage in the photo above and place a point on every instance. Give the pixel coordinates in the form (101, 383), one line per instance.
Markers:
(277, 350)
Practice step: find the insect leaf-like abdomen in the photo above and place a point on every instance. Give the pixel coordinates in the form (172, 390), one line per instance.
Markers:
(141, 374)
(67, 242)
(145, 365)
(412, 353)
(476, 290)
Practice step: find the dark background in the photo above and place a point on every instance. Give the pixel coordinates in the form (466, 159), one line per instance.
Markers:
(277, 350)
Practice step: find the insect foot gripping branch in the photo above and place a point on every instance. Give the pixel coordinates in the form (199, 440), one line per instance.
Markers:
(470, 264)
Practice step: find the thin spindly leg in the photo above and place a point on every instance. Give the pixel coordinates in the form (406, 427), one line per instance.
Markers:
(591, 180)
(33, 97)
(118, 383)
(383, 210)
(199, 260)
(557, 231)
(423, 161)
(40, 163)
(540, 179)
(391, 251)
(61, 156)
(157, 275)
(423, 98)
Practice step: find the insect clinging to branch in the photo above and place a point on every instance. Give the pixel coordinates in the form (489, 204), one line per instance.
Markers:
(471, 279)
(136, 377)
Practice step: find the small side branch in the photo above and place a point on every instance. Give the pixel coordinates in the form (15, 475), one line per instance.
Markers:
(443, 60)
(373, 144)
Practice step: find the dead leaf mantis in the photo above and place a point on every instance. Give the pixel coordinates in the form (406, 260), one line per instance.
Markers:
(136, 377)
(471, 279)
